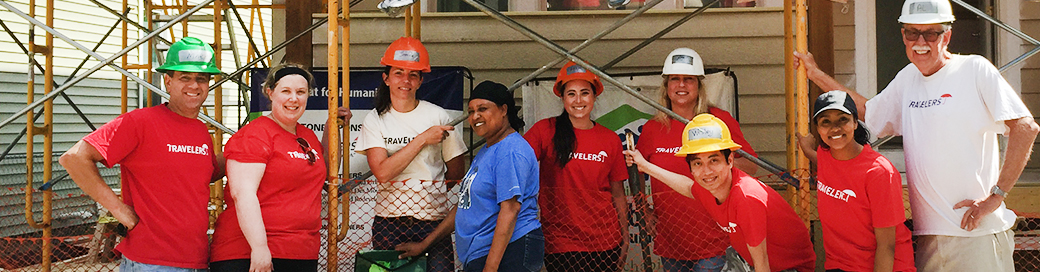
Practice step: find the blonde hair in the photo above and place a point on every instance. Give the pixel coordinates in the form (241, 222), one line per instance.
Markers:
(701, 106)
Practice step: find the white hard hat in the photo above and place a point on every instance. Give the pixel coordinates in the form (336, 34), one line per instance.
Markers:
(683, 61)
(923, 12)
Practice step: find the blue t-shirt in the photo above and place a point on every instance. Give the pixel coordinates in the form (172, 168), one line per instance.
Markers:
(498, 173)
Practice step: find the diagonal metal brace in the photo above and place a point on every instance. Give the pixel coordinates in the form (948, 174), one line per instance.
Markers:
(603, 76)
(104, 62)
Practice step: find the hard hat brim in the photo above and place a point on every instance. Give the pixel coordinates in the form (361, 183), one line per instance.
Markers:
(189, 68)
(686, 150)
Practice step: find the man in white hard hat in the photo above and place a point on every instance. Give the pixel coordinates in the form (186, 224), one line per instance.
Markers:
(949, 109)
(166, 161)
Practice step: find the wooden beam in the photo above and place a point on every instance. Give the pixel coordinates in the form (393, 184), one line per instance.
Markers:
(821, 39)
(298, 19)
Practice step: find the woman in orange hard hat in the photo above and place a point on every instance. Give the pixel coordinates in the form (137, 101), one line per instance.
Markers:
(412, 149)
(584, 213)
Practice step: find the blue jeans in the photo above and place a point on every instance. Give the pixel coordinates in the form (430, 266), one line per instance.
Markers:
(388, 232)
(712, 264)
(526, 254)
(129, 265)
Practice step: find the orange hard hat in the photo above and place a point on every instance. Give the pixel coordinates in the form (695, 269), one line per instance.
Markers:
(572, 71)
(407, 53)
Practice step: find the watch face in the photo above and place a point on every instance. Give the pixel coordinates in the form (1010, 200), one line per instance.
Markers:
(997, 191)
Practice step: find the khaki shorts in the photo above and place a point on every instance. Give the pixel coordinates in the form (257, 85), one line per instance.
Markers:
(991, 252)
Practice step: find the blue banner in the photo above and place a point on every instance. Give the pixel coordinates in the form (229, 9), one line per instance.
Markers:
(444, 86)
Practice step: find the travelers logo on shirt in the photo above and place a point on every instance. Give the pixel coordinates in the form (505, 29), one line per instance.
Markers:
(930, 102)
(598, 157)
(197, 150)
(842, 195)
(298, 155)
(398, 140)
(672, 150)
(731, 229)
(465, 200)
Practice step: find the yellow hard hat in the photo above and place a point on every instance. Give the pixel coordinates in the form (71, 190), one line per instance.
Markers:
(705, 133)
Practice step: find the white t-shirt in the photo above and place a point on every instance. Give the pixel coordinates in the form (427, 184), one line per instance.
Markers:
(412, 193)
(949, 122)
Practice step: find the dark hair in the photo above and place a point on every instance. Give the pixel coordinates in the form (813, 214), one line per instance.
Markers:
(382, 100)
(513, 115)
(725, 156)
(279, 71)
(563, 139)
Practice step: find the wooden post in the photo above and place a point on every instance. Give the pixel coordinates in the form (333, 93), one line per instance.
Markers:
(332, 159)
(345, 141)
(802, 109)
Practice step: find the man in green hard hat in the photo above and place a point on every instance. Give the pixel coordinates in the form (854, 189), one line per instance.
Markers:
(167, 162)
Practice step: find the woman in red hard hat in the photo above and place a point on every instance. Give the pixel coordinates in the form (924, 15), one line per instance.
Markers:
(584, 213)
(412, 149)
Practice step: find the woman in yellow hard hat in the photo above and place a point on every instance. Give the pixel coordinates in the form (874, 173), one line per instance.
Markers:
(584, 213)
(755, 216)
(412, 149)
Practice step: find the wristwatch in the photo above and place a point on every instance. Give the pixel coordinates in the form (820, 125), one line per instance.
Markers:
(997, 191)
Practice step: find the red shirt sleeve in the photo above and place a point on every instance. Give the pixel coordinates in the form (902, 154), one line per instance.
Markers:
(734, 130)
(536, 136)
(116, 139)
(884, 188)
(249, 145)
(751, 214)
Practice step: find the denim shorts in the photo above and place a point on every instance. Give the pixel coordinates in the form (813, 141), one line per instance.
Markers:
(129, 265)
(526, 254)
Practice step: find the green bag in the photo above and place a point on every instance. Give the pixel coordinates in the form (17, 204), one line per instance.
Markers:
(387, 261)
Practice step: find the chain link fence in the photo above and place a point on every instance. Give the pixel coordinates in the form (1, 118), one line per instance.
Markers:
(664, 230)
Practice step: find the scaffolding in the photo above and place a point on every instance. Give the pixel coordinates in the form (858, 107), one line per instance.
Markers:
(226, 17)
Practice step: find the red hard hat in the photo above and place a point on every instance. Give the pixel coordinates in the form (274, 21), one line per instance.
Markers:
(407, 53)
(572, 71)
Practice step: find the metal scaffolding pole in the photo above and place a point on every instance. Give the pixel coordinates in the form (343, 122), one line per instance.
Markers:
(603, 76)
(104, 62)
(63, 95)
(249, 36)
(265, 55)
(80, 66)
(125, 19)
(47, 131)
(659, 35)
(583, 45)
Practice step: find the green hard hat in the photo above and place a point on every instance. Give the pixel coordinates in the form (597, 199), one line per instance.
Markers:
(190, 55)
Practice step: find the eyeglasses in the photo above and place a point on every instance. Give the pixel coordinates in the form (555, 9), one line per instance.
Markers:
(312, 155)
(929, 36)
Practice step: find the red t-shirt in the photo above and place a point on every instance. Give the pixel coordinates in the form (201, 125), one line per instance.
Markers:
(576, 205)
(289, 193)
(166, 164)
(853, 198)
(753, 212)
(685, 231)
